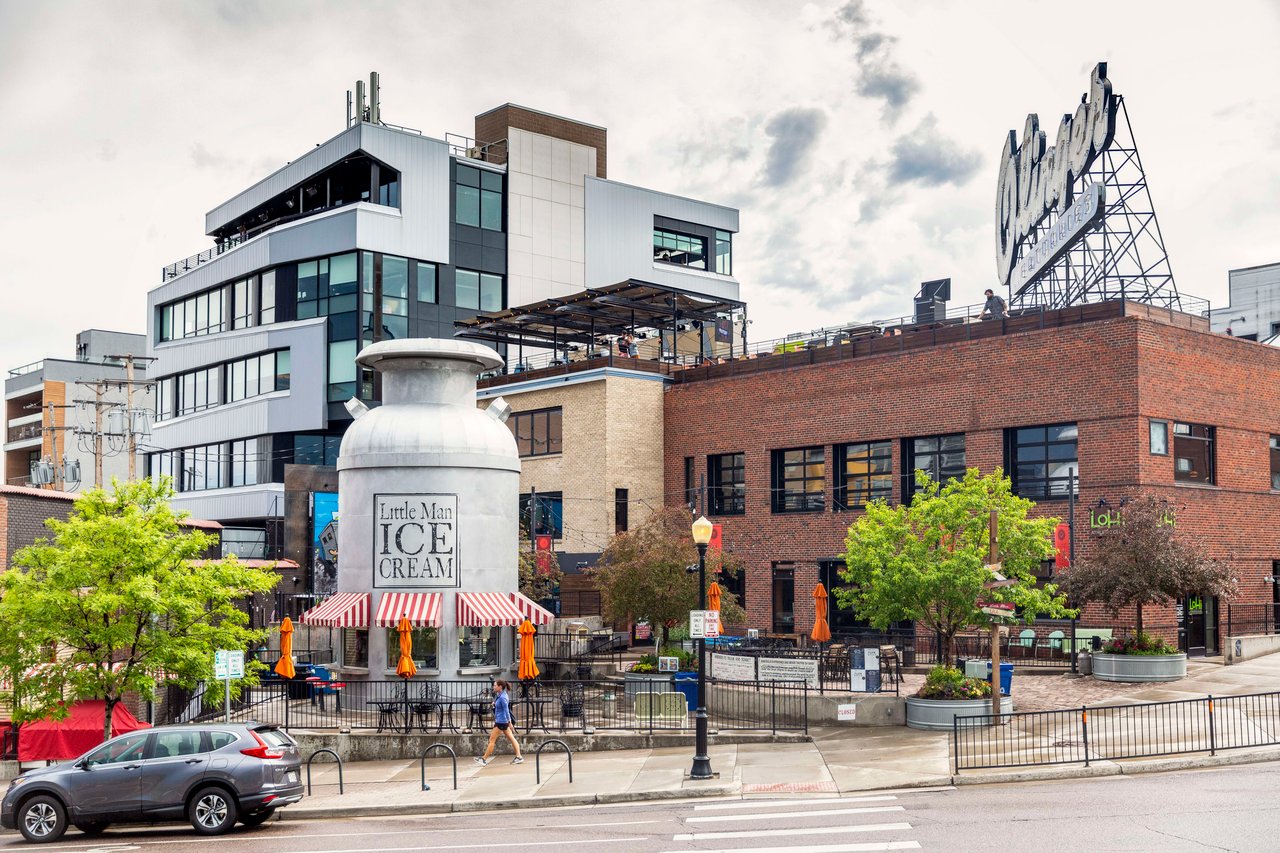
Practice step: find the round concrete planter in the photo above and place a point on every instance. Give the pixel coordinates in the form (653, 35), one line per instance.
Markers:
(938, 714)
(1139, 667)
(647, 682)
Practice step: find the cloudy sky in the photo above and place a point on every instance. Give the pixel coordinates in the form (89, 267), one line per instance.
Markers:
(859, 139)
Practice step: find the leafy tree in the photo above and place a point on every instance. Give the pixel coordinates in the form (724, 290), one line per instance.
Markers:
(643, 573)
(1145, 560)
(117, 601)
(926, 561)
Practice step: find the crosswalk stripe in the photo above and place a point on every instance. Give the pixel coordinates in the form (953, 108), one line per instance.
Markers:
(861, 847)
(722, 818)
(764, 802)
(809, 830)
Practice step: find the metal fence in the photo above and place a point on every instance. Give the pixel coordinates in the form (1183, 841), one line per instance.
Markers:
(1248, 619)
(1105, 733)
(436, 706)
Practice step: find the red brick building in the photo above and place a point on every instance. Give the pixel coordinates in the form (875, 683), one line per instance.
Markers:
(1139, 398)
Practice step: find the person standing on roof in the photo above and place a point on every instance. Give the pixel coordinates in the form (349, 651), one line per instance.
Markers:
(995, 308)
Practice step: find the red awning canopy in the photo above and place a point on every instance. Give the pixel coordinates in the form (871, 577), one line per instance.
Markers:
(47, 740)
(422, 609)
(477, 609)
(344, 610)
(531, 610)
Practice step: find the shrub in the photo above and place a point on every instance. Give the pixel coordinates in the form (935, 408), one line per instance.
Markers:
(688, 660)
(947, 682)
(646, 664)
(1139, 644)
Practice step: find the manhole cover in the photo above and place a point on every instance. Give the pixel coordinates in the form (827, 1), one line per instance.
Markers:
(791, 788)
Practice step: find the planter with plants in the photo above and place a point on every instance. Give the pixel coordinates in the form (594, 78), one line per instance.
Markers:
(1141, 657)
(947, 693)
(644, 677)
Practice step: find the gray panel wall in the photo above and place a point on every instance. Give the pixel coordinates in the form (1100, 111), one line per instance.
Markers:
(263, 501)
(620, 237)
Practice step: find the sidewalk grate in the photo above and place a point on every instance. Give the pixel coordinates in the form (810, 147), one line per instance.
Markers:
(791, 788)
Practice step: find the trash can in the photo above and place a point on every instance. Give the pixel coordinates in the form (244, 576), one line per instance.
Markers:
(687, 683)
(1006, 677)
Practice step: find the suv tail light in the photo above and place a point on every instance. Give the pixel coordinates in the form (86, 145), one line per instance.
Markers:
(262, 750)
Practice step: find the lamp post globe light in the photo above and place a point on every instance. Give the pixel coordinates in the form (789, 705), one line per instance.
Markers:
(702, 530)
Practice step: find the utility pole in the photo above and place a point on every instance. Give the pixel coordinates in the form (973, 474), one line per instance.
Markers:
(133, 435)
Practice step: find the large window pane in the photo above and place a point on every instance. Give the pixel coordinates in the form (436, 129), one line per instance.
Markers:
(1042, 460)
(672, 247)
(537, 433)
(490, 292)
(864, 473)
(726, 476)
(426, 282)
(395, 277)
(342, 361)
(467, 200)
(342, 274)
(942, 457)
(491, 210)
(799, 480)
(1193, 453)
(467, 289)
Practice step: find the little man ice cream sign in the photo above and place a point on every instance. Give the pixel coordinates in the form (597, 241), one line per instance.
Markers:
(415, 541)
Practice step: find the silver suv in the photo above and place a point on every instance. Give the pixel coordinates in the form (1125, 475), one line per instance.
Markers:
(211, 774)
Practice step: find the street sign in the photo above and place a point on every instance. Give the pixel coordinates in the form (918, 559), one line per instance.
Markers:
(704, 624)
(228, 664)
(996, 608)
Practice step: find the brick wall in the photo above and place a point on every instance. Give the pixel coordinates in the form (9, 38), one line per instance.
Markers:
(492, 126)
(1109, 377)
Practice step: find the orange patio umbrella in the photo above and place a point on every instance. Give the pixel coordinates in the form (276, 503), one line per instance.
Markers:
(405, 667)
(528, 666)
(821, 632)
(713, 596)
(284, 666)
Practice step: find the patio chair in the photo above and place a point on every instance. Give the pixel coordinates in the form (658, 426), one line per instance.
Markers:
(1055, 642)
(428, 703)
(1027, 642)
(327, 687)
(573, 704)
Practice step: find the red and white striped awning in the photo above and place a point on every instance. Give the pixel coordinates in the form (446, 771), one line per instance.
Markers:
(531, 610)
(344, 610)
(423, 609)
(477, 609)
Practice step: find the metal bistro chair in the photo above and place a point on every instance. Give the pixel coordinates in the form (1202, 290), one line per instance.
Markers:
(573, 704)
(428, 703)
(479, 707)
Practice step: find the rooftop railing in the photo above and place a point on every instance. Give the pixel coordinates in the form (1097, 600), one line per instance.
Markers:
(27, 368)
(185, 265)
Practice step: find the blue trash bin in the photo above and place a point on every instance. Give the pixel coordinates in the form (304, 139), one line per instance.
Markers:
(1006, 677)
(687, 683)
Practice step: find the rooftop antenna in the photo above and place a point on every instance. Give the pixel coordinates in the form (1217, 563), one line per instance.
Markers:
(360, 116)
(348, 108)
(375, 108)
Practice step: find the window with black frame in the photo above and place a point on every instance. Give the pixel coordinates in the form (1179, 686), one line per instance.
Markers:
(939, 456)
(800, 479)
(864, 472)
(539, 432)
(690, 487)
(673, 247)
(478, 198)
(1275, 462)
(727, 479)
(1042, 460)
(784, 598)
(1193, 456)
(548, 517)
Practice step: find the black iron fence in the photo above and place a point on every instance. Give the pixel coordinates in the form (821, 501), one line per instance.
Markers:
(834, 662)
(1105, 733)
(655, 703)
(580, 649)
(1250, 619)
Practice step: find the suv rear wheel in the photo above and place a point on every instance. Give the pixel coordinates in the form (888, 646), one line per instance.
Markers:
(42, 819)
(212, 811)
(257, 818)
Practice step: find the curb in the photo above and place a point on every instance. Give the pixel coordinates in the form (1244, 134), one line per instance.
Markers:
(399, 809)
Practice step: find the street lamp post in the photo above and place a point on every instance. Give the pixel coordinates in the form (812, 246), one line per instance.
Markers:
(702, 530)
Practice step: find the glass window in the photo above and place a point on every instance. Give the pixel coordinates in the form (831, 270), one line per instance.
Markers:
(490, 292)
(467, 289)
(1193, 453)
(241, 307)
(424, 647)
(864, 472)
(784, 598)
(355, 647)
(166, 323)
(267, 298)
(395, 277)
(196, 391)
(724, 253)
(308, 278)
(1160, 438)
(129, 748)
(1042, 460)
(1275, 462)
(426, 282)
(282, 370)
(672, 247)
(537, 433)
(218, 740)
(250, 461)
(491, 202)
(467, 205)
(308, 449)
(727, 479)
(799, 480)
(170, 744)
(164, 398)
(478, 646)
(547, 517)
(621, 505)
(342, 370)
(690, 487)
(342, 275)
(939, 456)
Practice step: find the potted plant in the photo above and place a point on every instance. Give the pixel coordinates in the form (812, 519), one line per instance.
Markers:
(1140, 562)
(947, 693)
(927, 562)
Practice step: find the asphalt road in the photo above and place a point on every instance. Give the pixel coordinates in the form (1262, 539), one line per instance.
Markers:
(1230, 808)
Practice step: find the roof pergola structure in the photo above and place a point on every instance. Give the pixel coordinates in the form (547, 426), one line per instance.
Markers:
(599, 313)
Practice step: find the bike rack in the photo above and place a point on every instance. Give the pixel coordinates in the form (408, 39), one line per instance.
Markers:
(336, 757)
(537, 758)
(453, 755)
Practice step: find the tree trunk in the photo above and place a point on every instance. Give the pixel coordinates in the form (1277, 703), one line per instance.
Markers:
(109, 707)
(1139, 617)
(948, 645)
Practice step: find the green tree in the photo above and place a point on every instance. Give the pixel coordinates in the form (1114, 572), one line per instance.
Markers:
(1145, 560)
(644, 574)
(117, 600)
(926, 561)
